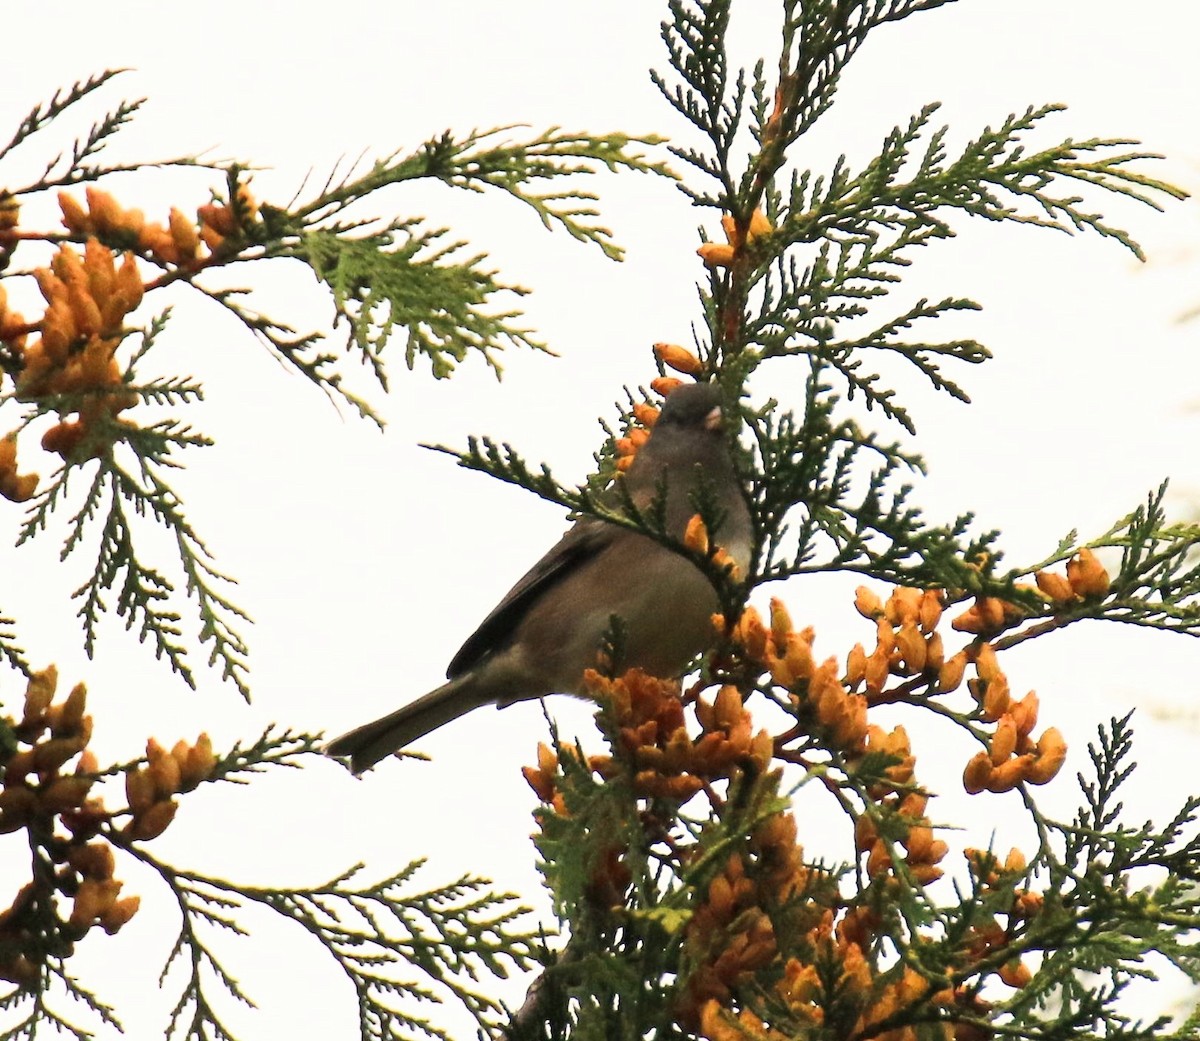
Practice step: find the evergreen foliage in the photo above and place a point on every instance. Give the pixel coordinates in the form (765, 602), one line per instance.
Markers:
(686, 904)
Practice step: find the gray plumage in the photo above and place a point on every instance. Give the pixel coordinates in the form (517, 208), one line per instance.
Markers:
(548, 628)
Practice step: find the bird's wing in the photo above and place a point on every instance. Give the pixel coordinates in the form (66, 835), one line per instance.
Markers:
(581, 543)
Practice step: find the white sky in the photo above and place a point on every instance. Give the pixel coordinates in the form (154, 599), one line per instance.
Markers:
(366, 560)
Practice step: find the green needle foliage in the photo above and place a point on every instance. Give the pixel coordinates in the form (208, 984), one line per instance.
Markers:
(117, 431)
(383, 276)
(449, 936)
(811, 262)
(837, 245)
(684, 903)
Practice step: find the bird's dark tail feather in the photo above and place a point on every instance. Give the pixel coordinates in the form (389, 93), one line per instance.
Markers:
(368, 744)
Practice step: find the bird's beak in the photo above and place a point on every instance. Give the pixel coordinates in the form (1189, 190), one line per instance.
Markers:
(713, 420)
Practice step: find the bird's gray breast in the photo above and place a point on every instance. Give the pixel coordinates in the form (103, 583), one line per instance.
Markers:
(664, 603)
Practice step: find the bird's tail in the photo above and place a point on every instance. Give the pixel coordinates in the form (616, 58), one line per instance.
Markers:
(368, 744)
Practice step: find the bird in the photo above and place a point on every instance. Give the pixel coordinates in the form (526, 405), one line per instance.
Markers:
(547, 630)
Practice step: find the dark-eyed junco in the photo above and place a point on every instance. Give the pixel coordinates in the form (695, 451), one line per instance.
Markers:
(548, 629)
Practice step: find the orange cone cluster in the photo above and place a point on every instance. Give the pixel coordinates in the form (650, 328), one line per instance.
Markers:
(542, 778)
(49, 735)
(88, 295)
(988, 616)
(87, 299)
(150, 789)
(37, 790)
(909, 645)
(846, 998)
(922, 852)
(177, 243)
(627, 446)
(42, 795)
(608, 875)
(903, 990)
(833, 988)
(718, 254)
(896, 798)
(815, 690)
(767, 924)
(644, 418)
(1014, 757)
(728, 938)
(907, 641)
(991, 936)
(13, 334)
(844, 988)
(1086, 579)
(98, 900)
(653, 742)
(695, 537)
(679, 358)
(16, 487)
(732, 933)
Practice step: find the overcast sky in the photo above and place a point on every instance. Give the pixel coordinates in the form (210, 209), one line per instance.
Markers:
(365, 560)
